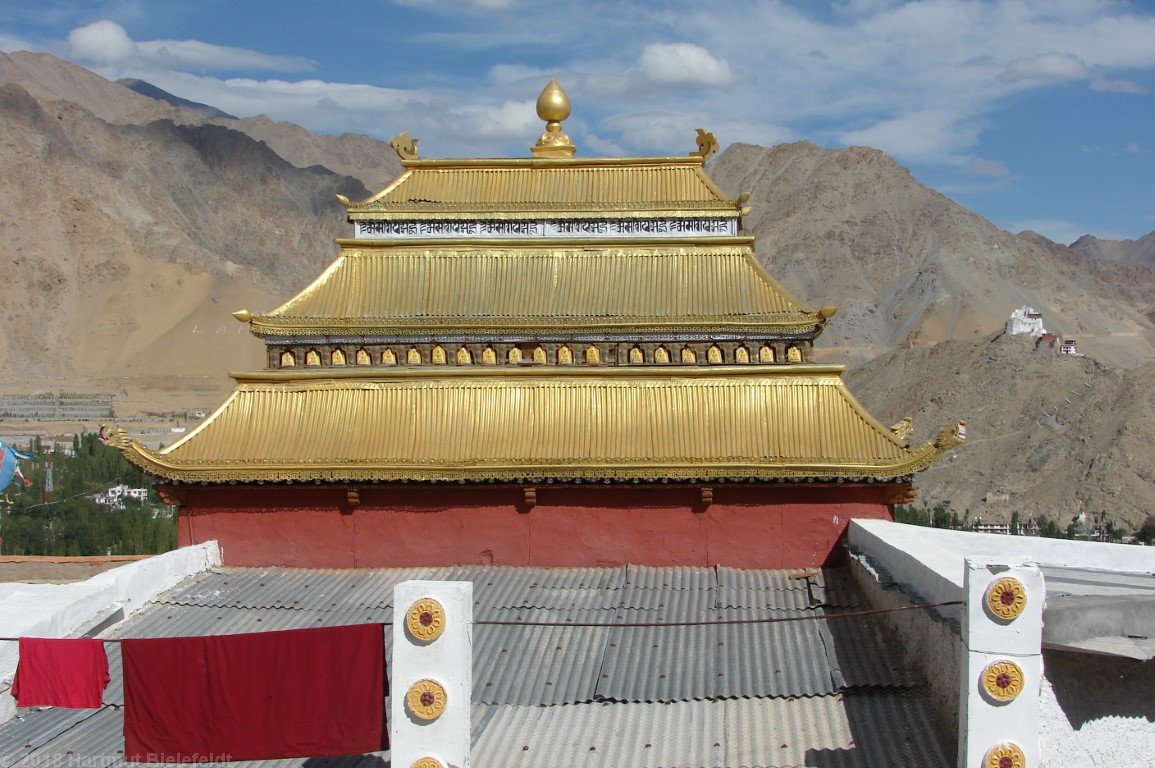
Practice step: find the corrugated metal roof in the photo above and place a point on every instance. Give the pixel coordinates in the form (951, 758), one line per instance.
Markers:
(408, 288)
(624, 423)
(860, 730)
(499, 189)
(722, 694)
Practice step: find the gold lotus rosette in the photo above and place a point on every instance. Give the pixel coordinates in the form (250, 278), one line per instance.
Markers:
(425, 620)
(427, 699)
(427, 762)
(1006, 598)
(1005, 755)
(1002, 680)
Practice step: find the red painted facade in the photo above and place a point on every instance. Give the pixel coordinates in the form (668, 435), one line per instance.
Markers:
(749, 526)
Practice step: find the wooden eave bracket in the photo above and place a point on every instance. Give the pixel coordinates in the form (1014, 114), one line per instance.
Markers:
(353, 498)
(528, 499)
(706, 496)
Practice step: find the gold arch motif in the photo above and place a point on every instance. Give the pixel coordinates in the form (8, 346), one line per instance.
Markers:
(688, 356)
(539, 355)
(766, 354)
(714, 355)
(741, 355)
(661, 355)
(637, 356)
(514, 356)
(464, 356)
(312, 358)
(437, 355)
(488, 356)
(337, 357)
(413, 356)
(794, 354)
(389, 357)
(593, 355)
(564, 355)
(363, 357)
(287, 360)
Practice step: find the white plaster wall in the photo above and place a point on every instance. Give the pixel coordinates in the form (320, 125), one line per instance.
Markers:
(57, 610)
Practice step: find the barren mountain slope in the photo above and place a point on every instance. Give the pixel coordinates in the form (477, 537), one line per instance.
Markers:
(371, 161)
(128, 246)
(907, 266)
(1059, 435)
(1141, 251)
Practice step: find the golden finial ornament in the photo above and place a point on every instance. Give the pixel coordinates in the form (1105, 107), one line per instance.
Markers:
(553, 106)
(243, 315)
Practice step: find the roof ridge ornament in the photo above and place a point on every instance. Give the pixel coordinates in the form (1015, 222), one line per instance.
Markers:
(405, 147)
(707, 144)
(553, 106)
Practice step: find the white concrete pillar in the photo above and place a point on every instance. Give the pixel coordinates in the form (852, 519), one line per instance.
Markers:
(432, 674)
(1001, 677)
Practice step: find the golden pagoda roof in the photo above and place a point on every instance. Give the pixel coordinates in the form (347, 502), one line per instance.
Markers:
(537, 187)
(530, 423)
(398, 287)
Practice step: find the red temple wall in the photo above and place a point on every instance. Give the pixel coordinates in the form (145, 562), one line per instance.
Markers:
(770, 526)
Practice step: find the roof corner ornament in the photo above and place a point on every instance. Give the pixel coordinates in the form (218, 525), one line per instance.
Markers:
(405, 147)
(114, 435)
(707, 144)
(344, 201)
(951, 436)
(243, 315)
(903, 429)
(553, 106)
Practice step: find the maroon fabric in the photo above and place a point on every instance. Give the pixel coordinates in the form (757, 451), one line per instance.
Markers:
(296, 693)
(60, 673)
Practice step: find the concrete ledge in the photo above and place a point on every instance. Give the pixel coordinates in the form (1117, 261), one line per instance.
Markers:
(925, 570)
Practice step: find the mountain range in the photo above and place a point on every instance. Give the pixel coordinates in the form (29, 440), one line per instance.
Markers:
(134, 226)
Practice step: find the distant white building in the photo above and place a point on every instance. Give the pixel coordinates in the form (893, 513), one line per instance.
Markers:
(1026, 320)
(115, 496)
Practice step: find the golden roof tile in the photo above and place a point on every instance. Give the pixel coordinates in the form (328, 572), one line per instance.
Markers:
(466, 424)
(465, 287)
(526, 188)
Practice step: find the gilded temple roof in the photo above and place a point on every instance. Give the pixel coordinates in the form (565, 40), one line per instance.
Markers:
(532, 423)
(525, 188)
(537, 286)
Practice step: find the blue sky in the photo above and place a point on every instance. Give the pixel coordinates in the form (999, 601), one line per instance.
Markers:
(1036, 115)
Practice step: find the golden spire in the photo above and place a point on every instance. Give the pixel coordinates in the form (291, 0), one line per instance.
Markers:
(553, 106)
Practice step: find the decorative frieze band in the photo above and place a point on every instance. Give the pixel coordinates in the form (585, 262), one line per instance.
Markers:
(552, 228)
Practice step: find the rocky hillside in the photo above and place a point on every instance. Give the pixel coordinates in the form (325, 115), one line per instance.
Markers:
(907, 266)
(371, 161)
(1141, 251)
(1047, 434)
(127, 246)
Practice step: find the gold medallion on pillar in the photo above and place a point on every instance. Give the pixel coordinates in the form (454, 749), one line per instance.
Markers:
(425, 620)
(1005, 755)
(1006, 598)
(427, 762)
(426, 699)
(1002, 680)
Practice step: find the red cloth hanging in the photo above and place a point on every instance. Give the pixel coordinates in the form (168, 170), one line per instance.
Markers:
(60, 673)
(294, 693)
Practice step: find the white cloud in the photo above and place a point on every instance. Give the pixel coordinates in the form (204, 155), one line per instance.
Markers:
(102, 42)
(105, 43)
(932, 135)
(1050, 67)
(683, 64)
(1118, 86)
(984, 168)
(8, 44)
